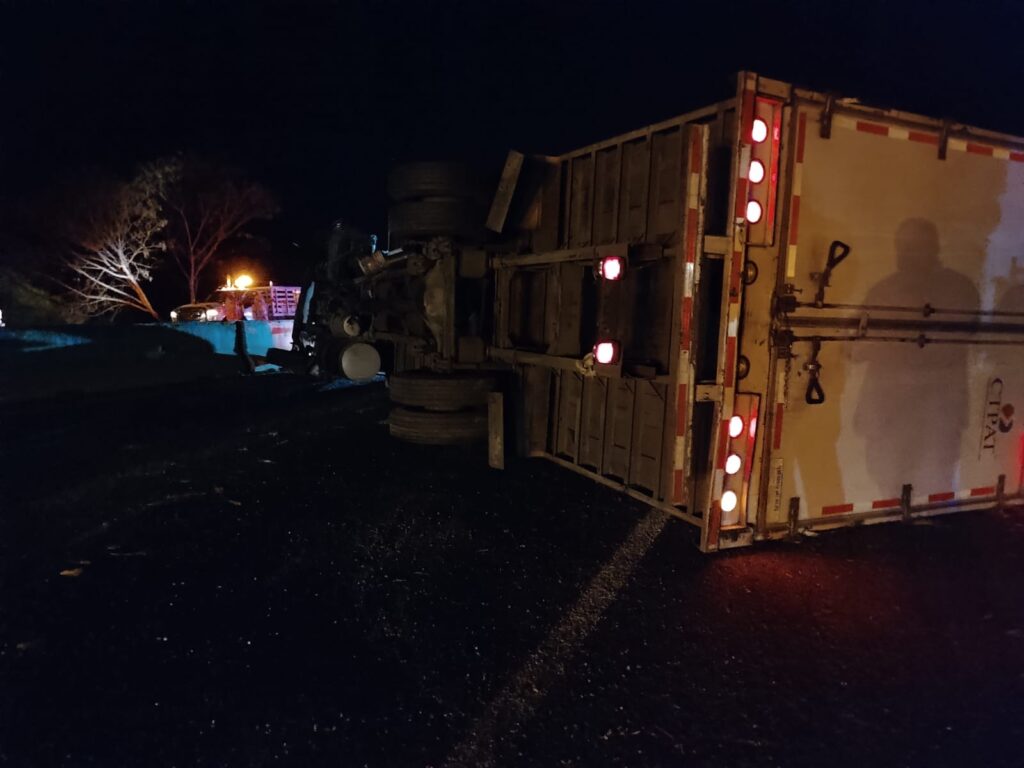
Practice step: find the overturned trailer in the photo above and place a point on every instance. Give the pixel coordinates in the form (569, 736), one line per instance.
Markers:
(786, 310)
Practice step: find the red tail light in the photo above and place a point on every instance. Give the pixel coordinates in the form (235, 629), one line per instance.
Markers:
(733, 464)
(735, 426)
(606, 352)
(612, 267)
(756, 172)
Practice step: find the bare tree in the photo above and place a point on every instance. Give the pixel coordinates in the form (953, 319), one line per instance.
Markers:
(116, 243)
(207, 208)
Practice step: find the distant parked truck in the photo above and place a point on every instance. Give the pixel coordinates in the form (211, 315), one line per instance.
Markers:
(784, 311)
(260, 302)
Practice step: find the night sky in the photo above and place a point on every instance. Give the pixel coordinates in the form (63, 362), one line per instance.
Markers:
(319, 99)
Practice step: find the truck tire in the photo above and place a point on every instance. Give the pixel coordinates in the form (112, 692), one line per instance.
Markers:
(439, 392)
(422, 219)
(429, 179)
(432, 428)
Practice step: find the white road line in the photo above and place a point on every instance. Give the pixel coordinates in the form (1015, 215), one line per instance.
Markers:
(516, 702)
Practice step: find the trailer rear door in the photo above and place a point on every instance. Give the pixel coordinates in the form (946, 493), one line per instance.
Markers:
(920, 330)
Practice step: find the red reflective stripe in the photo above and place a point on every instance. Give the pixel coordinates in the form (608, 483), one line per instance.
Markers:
(714, 525)
(741, 198)
(986, 491)
(837, 509)
(794, 220)
(924, 138)
(801, 137)
(979, 149)
(687, 319)
(677, 485)
(875, 128)
(1017, 157)
(777, 439)
(681, 411)
(695, 153)
(947, 496)
(723, 439)
(748, 116)
(885, 503)
(691, 236)
(730, 360)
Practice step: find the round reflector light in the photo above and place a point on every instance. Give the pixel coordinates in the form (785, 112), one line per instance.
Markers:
(611, 268)
(754, 211)
(756, 172)
(729, 500)
(732, 464)
(735, 426)
(759, 130)
(605, 352)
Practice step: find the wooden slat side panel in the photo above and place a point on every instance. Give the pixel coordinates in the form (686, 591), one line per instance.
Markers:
(581, 200)
(666, 203)
(606, 196)
(535, 391)
(592, 425)
(566, 429)
(648, 434)
(619, 433)
(636, 161)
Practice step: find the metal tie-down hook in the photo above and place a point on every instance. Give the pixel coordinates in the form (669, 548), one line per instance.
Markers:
(815, 395)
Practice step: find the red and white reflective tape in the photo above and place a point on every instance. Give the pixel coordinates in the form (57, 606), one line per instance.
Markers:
(925, 137)
(780, 407)
(735, 292)
(686, 312)
(894, 503)
(794, 204)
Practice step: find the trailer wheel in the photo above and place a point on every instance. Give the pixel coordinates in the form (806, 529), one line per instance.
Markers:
(422, 219)
(438, 391)
(429, 179)
(433, 428)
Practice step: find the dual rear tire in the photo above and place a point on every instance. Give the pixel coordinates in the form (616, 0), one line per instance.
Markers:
(432, 200)
(439, 409)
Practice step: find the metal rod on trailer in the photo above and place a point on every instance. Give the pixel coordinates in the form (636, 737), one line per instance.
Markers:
(925, 310)
(921, 340)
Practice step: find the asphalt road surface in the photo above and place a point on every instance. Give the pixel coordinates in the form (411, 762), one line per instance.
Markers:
(250, 572)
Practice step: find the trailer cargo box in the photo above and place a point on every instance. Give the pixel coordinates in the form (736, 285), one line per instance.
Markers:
(820, 322)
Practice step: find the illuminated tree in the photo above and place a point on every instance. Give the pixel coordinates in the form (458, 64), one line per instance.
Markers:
(116, 242)
(207, 208)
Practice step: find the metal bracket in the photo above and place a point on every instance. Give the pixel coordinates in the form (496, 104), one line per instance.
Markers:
(944, 139)
(783, 341)
(814, 395)
(826, 115)
(837, 251)
(905, 496)
(794, 516)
